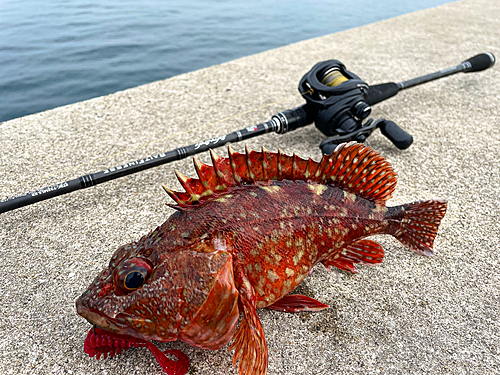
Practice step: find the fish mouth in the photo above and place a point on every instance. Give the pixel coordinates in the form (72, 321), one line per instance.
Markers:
(106, 323)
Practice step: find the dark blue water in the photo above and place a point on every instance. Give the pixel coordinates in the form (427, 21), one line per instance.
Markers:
(57, 52)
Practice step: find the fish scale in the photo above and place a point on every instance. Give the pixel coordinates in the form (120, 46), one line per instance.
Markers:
(274, 231)
(247, 231)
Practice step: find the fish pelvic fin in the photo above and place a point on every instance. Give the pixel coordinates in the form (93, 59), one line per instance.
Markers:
(419, 225)
(296, 303)
(104, 343)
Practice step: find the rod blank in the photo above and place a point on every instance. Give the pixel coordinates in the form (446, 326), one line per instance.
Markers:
(378, 93)
(281, 123)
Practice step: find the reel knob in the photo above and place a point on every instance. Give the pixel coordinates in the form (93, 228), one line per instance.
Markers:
(328, 148)
(395, 134)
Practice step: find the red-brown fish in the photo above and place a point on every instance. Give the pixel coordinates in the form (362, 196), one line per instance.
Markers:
(246, 233)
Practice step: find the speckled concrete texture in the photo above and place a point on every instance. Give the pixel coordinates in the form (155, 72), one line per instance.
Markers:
(410, 315)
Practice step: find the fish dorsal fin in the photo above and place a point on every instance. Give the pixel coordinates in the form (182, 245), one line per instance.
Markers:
(360, 170)
(352, 167)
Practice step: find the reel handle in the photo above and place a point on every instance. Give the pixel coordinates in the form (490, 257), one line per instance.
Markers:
(395, 134)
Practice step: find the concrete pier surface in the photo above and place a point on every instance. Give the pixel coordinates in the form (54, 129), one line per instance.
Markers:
(410, 315)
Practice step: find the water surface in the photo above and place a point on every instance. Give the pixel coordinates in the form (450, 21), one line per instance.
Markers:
(58, 52)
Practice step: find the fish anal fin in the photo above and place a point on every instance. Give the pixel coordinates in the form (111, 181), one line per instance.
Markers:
(362, 251)
(296, 303)
(250, 347)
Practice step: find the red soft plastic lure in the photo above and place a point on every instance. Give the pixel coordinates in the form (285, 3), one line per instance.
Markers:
(100, 343)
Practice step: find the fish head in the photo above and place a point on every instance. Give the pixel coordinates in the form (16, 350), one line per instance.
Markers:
(153, 294)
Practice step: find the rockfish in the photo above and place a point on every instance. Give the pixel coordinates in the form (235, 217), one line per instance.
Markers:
(247, 231)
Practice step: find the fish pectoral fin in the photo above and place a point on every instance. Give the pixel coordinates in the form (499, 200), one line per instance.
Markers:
(362, 251)
(250, 347)
(297, 303)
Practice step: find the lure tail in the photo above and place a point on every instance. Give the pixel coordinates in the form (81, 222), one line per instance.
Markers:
(100, 343)
(419, 225)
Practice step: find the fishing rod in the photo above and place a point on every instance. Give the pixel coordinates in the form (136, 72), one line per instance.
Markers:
(337, 100)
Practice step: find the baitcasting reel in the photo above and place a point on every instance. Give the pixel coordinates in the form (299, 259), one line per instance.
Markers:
(337, 99)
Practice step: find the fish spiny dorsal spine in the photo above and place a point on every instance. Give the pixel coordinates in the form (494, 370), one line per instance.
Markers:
(352, 167)
(251, 174)
(223, 171)
(294, 166)
(280, 165)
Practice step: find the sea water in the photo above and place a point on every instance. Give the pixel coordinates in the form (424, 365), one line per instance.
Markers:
(57, 52)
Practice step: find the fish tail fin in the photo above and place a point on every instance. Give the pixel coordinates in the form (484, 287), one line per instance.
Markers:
(419, 225)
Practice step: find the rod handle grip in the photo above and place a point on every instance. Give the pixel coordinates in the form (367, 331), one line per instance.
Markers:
(381, 92)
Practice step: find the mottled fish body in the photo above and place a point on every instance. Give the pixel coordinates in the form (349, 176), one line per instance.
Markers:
(246, 233)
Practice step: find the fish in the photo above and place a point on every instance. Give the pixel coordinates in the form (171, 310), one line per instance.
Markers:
(245, 234)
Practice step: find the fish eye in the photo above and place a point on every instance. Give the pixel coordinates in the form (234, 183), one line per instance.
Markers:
(134, 280)
(132, 273)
